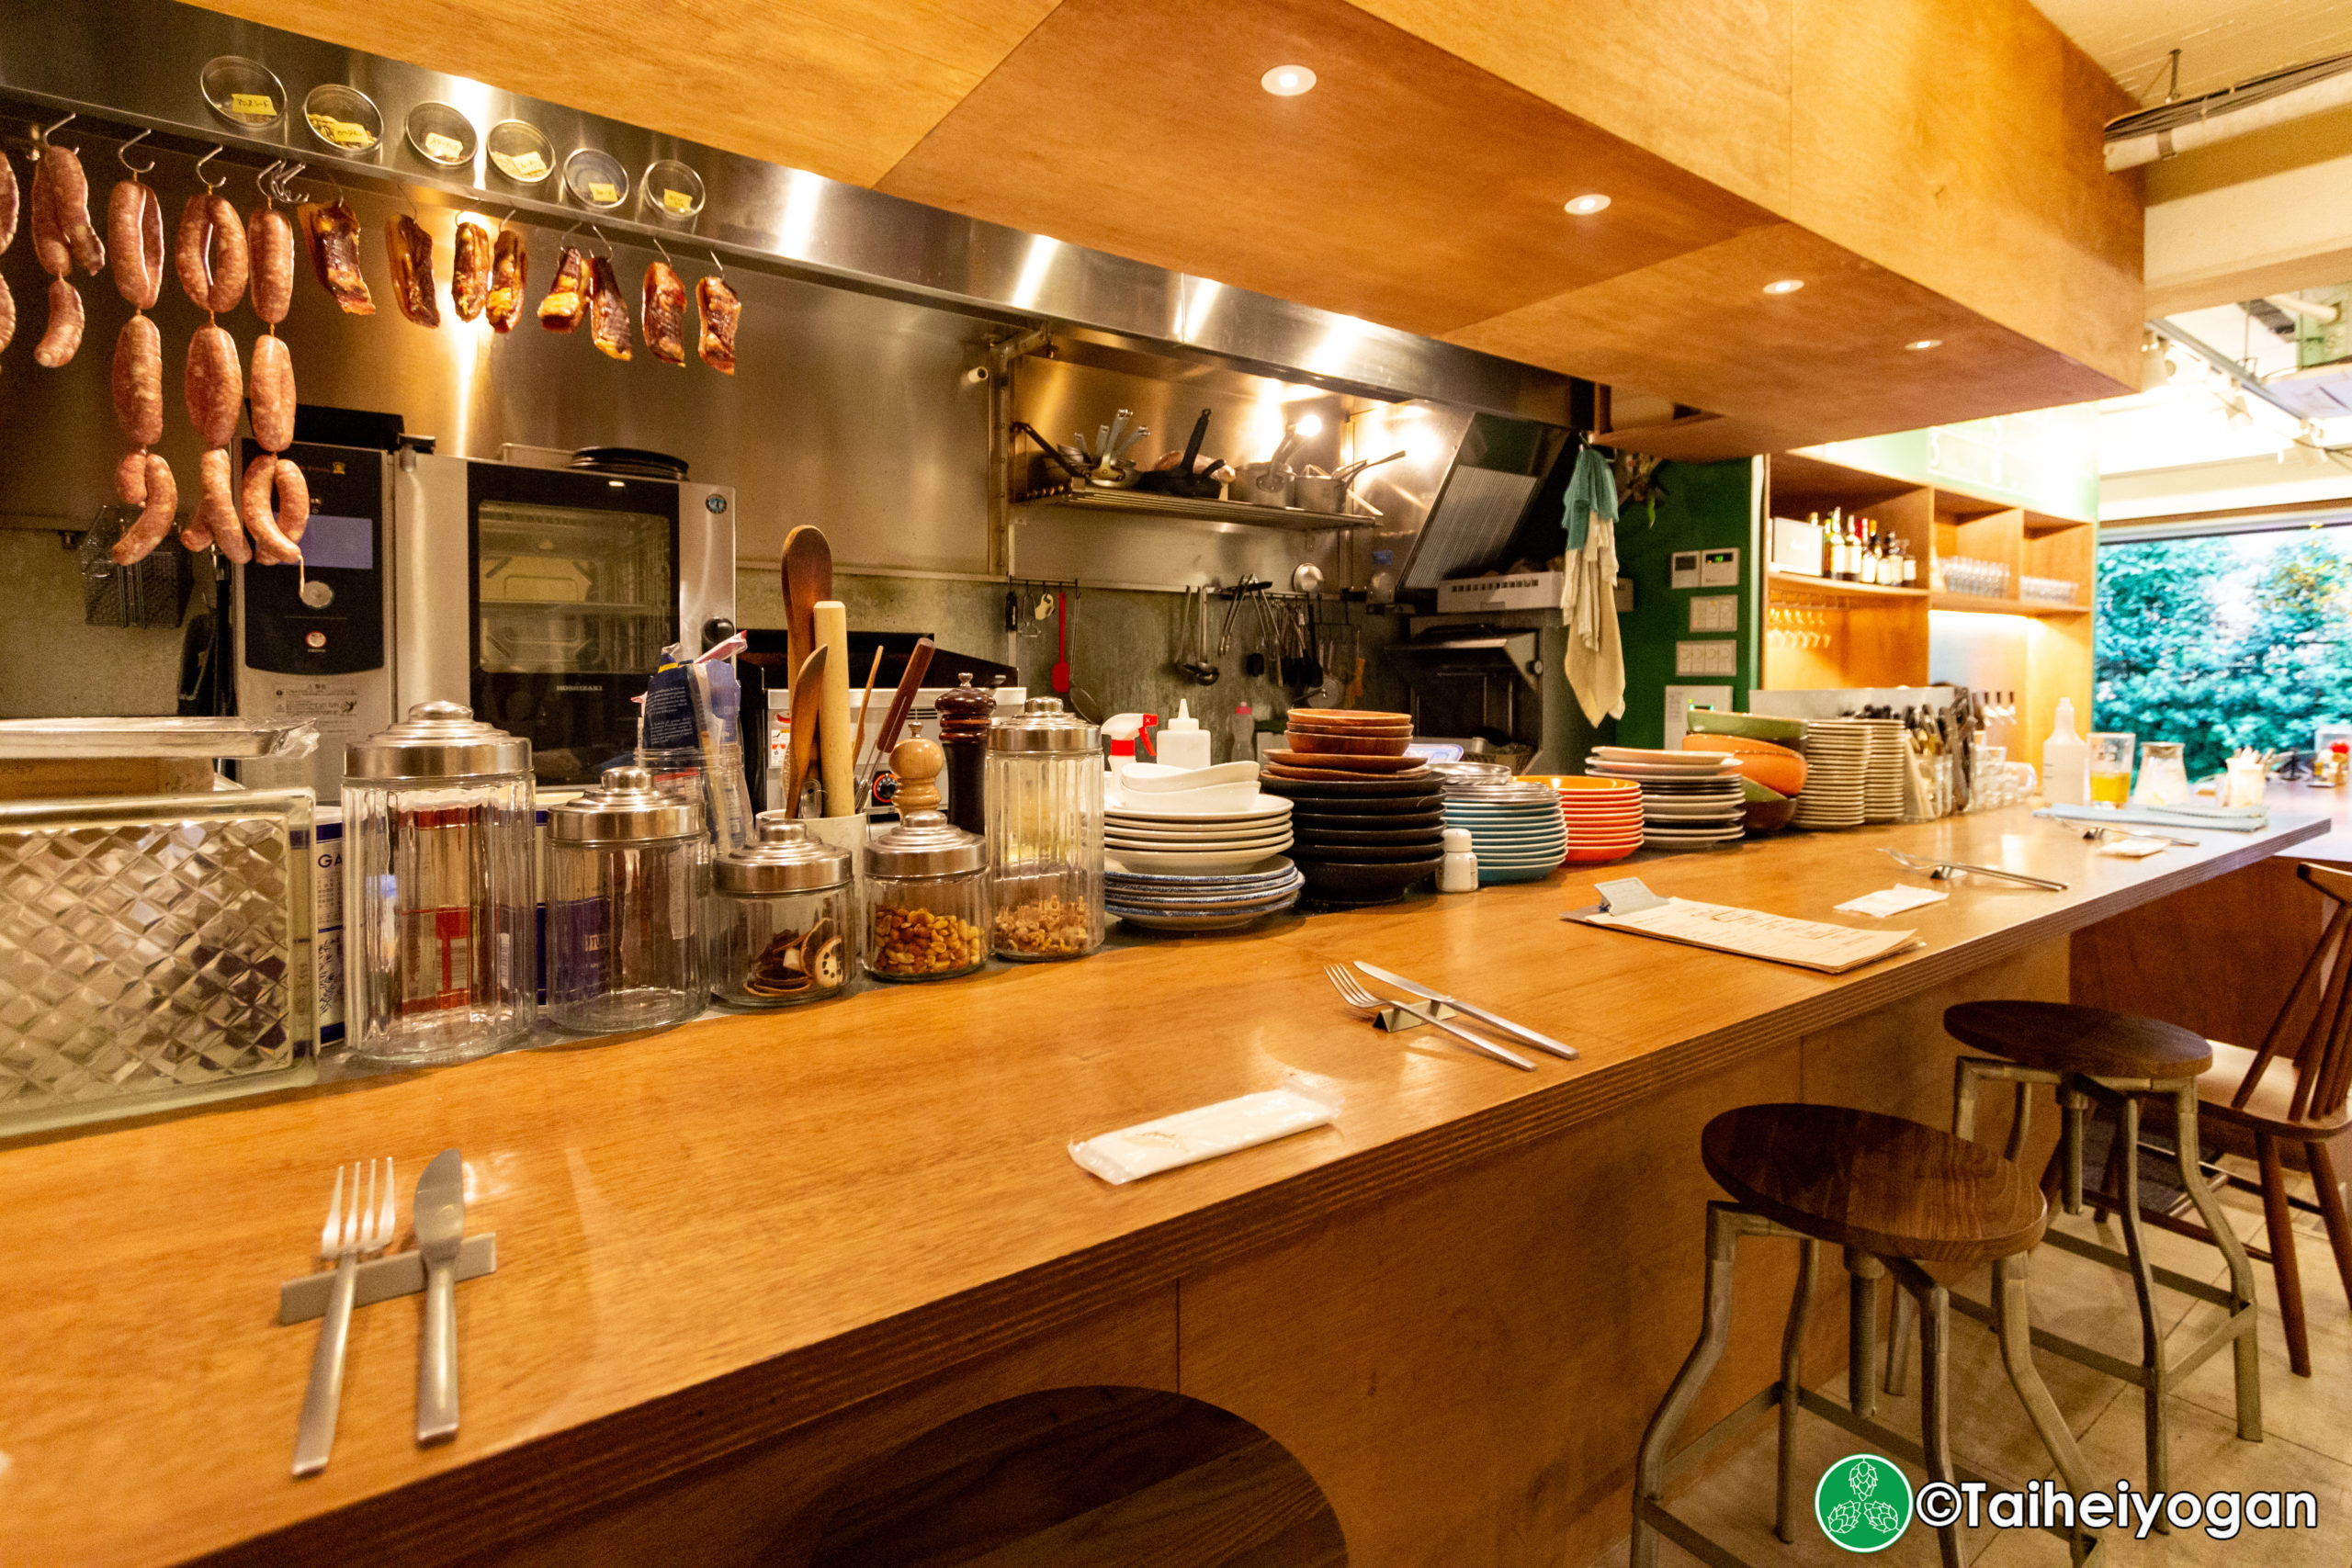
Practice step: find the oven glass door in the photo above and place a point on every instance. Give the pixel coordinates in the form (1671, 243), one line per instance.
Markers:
(575, 593)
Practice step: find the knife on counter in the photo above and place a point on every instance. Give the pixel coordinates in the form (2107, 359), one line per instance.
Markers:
(440, 1215)
(1516, 1031)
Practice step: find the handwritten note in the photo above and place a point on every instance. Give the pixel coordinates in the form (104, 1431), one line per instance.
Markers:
(1809, 944)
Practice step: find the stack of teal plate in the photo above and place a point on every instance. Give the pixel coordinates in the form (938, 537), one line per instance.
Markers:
(1515, 827)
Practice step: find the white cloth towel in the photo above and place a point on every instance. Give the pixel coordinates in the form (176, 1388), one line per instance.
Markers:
(1595, 650)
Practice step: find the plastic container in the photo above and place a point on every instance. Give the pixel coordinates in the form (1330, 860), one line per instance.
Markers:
(926, 882)
(1182, 742)
(2066, 760)
(781, 923)
(1044, 838)
(439, 901)
(628, 865)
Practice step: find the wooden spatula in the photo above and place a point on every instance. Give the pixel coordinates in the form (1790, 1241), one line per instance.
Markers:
(807, 694)
(807, 577)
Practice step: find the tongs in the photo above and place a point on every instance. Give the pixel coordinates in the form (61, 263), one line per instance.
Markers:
(1944, 870)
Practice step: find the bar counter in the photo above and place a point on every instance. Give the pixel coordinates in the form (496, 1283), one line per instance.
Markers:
(741, 1258)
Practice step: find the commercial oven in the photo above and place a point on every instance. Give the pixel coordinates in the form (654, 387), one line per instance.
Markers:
(540, 597)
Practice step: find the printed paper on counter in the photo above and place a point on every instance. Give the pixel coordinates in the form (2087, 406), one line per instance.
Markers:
(1892, 901)
(1752, 933)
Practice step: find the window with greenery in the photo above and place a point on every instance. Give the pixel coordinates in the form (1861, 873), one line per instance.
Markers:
(2226, 640)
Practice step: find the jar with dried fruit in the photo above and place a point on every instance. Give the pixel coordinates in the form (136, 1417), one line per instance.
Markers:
(1044, 813)
(926, 882)
(783, 921)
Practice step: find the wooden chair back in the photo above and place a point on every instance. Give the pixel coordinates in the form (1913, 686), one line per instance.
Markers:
(2321, 1035)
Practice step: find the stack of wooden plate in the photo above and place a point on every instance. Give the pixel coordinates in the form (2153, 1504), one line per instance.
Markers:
(1366, 818)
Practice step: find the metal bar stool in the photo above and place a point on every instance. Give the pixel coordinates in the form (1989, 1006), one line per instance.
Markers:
(1893, 1195)
(2112, 1061)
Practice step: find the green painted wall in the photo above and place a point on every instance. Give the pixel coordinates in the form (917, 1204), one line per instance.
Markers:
(1705, 506)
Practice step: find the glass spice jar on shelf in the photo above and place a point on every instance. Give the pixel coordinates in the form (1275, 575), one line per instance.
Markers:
(439, 907)
(1045, 811)
(926, 882)
(781, 925)
(627, 866)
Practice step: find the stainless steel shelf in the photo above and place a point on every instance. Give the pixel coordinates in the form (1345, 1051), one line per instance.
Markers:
(1151, 502)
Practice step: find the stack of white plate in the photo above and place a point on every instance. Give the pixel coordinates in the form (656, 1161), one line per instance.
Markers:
(1203, 903)
(1890, 759)
(1156, 836)
(1837, 763)
(1689, 799)
(1515, 829)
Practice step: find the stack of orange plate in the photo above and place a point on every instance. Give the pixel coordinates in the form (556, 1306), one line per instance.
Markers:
(1604, 816)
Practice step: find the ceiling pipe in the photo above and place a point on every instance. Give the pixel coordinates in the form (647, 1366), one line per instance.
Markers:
(2327, 315)
(2169, 129)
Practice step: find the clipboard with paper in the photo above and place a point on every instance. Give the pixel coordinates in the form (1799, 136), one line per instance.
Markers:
(1749, 933)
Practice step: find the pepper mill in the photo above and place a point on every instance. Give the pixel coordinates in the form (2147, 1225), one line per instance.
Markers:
(965, 714)
(917, 762)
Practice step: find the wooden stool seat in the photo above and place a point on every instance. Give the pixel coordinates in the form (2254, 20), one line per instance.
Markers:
(2060, 1038)
(1883, 1184)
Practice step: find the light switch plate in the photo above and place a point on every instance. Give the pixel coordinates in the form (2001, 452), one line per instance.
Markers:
(1715, 656)
(1715, 613)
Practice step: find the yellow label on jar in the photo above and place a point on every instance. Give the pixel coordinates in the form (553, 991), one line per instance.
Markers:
(342, 132)
(447, 149)
(260, 105)
(602, 194)
(527, 167)
(677, 201)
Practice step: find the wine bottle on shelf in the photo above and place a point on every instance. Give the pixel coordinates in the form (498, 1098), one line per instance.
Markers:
(1828, 567)
(1841, 554)
(1868, 574)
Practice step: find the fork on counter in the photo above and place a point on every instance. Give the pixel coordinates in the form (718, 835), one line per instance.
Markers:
(352, 1232)
(1358, 996)
(1942, 869)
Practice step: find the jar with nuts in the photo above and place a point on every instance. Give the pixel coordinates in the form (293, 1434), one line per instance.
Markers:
(927, 881)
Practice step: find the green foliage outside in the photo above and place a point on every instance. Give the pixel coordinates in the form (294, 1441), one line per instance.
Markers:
(2226, 641)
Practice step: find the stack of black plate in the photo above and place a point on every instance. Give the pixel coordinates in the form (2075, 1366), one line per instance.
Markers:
(1364, 841)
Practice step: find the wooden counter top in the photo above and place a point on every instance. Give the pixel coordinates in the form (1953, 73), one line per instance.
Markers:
(709, 1235)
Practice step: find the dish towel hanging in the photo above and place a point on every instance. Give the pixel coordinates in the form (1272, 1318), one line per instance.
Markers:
(1596, 654)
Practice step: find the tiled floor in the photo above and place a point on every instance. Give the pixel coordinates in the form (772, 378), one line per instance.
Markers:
(2307, 1422)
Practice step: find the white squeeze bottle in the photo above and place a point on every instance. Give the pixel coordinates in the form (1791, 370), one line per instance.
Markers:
(1182, 742)
(2066, 760)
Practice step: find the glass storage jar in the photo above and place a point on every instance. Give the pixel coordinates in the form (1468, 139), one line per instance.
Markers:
(926, 882)
(1045, 812)
(782, 926)
(438, 897)
(628, 865)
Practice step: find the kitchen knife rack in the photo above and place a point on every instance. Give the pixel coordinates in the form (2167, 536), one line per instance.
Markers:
(381, 1279)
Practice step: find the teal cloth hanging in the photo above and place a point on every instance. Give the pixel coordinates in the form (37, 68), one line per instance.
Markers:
(1592, 489)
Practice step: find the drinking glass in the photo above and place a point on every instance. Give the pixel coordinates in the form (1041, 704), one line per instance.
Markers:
(2111, 767)
(2164, 775)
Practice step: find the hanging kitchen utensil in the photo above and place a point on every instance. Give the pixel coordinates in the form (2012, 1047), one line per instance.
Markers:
(1058, 678)
(1197, 664)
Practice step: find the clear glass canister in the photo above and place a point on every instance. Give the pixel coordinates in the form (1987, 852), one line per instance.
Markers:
(627, 865)
(781, 922)
(439, 903)
(926, 882)
(1045, 809)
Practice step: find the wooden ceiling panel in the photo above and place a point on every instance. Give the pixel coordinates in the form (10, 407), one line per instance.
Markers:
(840, 87)
(1824, 364)
(1407, 188)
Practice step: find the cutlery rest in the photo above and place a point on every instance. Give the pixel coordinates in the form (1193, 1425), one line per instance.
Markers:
(1396, 1020)
(381, 1278)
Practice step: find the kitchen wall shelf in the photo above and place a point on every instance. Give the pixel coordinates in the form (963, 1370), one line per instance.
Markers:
(1798, 582)
(1978, 604)
(1152, 502)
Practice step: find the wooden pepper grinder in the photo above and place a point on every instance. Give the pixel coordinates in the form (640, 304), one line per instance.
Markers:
(965, 714)
(917, 762)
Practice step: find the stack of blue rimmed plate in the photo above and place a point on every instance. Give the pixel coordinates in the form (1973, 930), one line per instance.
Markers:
(1211, 903)
(1515, 827)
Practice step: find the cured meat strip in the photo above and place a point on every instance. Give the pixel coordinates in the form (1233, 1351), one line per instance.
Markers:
(8, 315)
(50, 249)
(269, 239)
(510, 271)
(159, 498)
(567, 296)
(135, 238)
(609, 326)
(665, 313)
(334, 231)
(138, 381)
(8, 204)
(469, 271)
(270, 393)
(63, 336)
(721, 311)
(214, 386)
(410, 249)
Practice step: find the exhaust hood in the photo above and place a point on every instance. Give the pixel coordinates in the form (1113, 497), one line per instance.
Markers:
(1475, 518)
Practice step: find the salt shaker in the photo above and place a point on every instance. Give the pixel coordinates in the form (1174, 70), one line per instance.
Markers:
(1458, 872)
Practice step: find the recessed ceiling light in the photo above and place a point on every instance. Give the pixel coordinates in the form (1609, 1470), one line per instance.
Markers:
(1918, 343)
(1786, 286)
(1585, 206)
(1287, 81)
